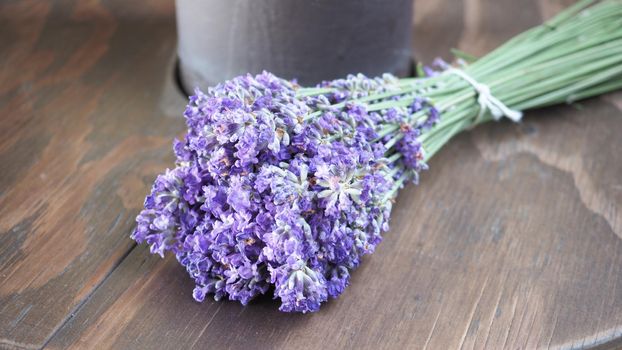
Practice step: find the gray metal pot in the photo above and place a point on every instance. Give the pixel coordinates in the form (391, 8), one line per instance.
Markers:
(310, 40)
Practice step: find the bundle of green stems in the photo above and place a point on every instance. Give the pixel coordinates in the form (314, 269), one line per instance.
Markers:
(575, 55)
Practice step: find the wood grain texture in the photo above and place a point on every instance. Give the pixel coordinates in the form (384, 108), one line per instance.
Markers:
(79, 88)
(512, 240)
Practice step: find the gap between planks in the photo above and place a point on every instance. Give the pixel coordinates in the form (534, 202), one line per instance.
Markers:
(76, 309)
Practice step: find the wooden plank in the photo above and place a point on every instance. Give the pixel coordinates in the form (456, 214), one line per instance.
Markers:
(80, 141)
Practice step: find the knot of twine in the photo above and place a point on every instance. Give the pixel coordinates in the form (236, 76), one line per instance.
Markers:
(487, 102)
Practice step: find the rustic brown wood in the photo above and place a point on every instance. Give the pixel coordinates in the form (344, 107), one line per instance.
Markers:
(512, 240)
(81, 136)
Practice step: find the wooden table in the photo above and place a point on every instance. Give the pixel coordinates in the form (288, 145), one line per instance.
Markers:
(512, 240)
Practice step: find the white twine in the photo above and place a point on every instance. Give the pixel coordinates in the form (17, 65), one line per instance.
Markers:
(486, 100)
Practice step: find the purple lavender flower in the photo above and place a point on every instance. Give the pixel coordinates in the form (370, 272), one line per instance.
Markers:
(275, 189)
(300, 288)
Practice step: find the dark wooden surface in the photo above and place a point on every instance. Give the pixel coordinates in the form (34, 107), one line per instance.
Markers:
(512, 240)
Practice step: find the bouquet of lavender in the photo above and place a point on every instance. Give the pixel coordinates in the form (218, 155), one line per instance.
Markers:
(284, 188)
